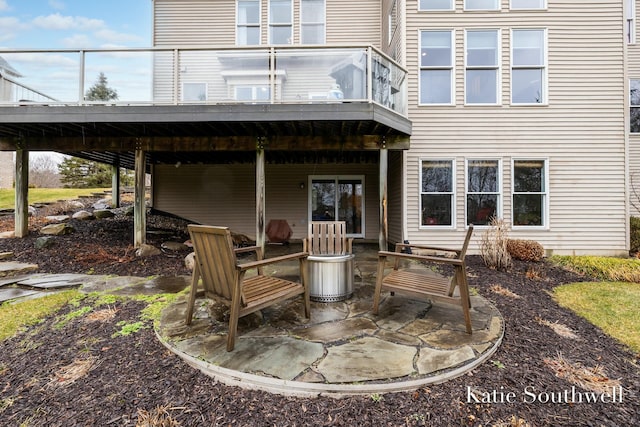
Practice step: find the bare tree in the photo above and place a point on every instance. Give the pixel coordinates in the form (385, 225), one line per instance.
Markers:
(43, 172)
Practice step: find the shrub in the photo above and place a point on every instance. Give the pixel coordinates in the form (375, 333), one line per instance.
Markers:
(634, 231)
(493, 245)
(525, 250)
(602, 268)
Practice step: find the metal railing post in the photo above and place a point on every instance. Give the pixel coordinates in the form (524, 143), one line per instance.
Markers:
(81, 78)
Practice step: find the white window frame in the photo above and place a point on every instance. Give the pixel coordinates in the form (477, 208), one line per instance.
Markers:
(281, 24)
(543, 67)
(303, 22)
(544, 193)
(392, 22)
(498, 192)
(513, 5)
(634, 105)
(630, 23)
(451, 68)
(452, 194)
(238, 25)
(254, 91)
(496, 6)
(431, 9)
(496, 66)
(336, 179)
(202, 84)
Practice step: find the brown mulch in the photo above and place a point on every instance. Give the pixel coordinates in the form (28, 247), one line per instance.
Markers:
(79, 375)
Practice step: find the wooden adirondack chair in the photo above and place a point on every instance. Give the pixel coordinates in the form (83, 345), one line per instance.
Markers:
(327, 238)
(427, 285)
(223, 279)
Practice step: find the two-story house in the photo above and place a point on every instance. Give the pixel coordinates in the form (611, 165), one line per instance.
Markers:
(407, 119)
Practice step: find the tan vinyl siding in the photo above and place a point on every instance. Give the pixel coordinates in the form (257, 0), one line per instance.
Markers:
(395, 212)
(633, 73)
(194, 22)
(225, 194)
(206, 22)
(354, 22)
(580, 132)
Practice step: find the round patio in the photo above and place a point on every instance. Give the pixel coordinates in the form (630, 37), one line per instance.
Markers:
(343, 349)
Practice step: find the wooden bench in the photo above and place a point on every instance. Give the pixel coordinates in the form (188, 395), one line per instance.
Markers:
(426, 284)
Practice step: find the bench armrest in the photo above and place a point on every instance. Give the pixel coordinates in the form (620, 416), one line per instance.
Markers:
(452, 261)
(269, 261)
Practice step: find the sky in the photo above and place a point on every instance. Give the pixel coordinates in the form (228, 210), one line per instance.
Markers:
(75, 23)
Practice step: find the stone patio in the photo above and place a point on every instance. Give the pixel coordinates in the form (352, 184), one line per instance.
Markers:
(342, 349)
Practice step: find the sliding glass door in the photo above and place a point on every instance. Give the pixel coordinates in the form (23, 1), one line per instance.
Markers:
(339, 198)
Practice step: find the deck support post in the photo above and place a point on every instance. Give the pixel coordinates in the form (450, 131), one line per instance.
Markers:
(21, 213)
(383, 234)
(115, 184)
(140, 207)
(260, 195)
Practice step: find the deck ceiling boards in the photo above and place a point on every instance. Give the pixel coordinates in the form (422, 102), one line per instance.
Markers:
(339, 132)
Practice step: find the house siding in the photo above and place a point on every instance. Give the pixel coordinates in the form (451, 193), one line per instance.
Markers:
(203, 22)
(633, 73)
(225, 194)
(6, 169)
(581, 132)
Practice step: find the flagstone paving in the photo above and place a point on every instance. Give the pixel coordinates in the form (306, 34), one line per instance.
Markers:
(342, 349)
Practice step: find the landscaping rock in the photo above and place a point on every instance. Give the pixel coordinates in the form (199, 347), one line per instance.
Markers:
(190, 261)
(103, 213)
(174, 246)
(83, 215)
(57, 218)
(7, 234)
(45, 242)
(147, 250)
(57, 229)
(75, 204)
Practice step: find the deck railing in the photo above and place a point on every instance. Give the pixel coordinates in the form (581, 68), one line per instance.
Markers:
(197, 75)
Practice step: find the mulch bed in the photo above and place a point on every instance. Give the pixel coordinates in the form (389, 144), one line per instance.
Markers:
(80, 375)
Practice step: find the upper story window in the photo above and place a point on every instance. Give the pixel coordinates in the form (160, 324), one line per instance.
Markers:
(437, 195)
(280, 22)
(634, 102)
(483, 191)
(528, 4)
(630, 8)
(482, 67)
(529, 192)
(312, 21)
(435, 5)
(248, 23)
(481, 5)
(436, 67)
(528, 66)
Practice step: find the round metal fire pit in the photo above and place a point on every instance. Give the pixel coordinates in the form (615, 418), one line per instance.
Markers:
(330, 277)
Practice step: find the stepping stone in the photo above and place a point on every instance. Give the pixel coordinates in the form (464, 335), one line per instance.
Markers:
(6, 255)
(11, 268)
(432, 360)
(367, 359)
(14, 293)
(52, 281)
(281, 357)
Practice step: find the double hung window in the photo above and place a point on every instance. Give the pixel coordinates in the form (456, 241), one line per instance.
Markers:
(528, 4)
(481, 4)
(435, 5)
(529, 192)
(630, 11)
(248, 23)
(280, 21)
(634, 103)
(482, 67)
(528, 66)
(437, 194)
(436, 67)
(483, 191)
(312, 21)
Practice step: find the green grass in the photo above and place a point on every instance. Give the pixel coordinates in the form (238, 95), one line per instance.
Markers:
(44, 195)
(611, 306)
(14, 317)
